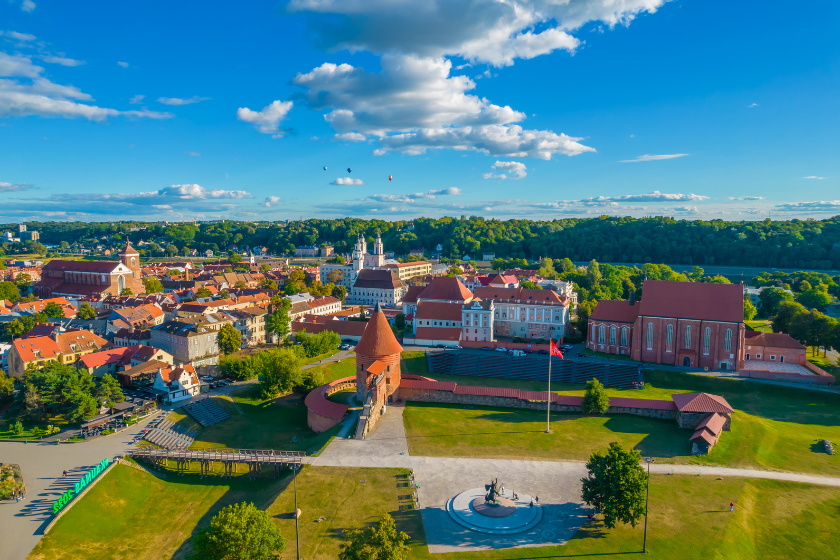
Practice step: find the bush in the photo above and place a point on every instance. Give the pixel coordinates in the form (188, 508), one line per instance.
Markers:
(595, 400)
(317, 344)
(17, 428)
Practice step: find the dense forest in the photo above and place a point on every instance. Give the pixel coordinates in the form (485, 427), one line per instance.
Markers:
(784, 244)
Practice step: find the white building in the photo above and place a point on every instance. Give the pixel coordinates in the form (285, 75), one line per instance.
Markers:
(179, 382)
(377, 286)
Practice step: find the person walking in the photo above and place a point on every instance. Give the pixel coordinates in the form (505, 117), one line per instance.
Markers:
(65, 473)
(731, 506)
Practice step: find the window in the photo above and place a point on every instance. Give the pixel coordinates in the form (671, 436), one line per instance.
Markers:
(669, 338)
(593, 332)
(650, 336)
(772, 357)
(707, 335)
(747, 356)
(624, 336)
(601, 334)
(727, 341)
(612, 334)
(688, 336)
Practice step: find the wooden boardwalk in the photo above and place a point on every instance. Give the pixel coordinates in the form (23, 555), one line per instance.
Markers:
(255, 459)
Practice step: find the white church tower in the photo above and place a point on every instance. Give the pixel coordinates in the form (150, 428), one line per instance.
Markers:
(359, 254)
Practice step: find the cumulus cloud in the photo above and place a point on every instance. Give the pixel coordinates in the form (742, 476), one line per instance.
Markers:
(18, 36)
(654, 196)
(751, 105)
(14, 187)
(515, 168)
(137, 99)
(62, 60)
(813, 177)
(745, 198)
(269, 200)
(178, 101)
(648, 157)
(123, 64)
(268, 119)
(348, 137)
(27, 5)
(813, 206)
(687, 210)
(24, 91)
(347, 181)
(413, 197)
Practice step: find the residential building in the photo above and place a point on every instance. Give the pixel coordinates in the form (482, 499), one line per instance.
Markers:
(477, 319)
(65, 348)
(128, 337)
(38, 306)
(488, 256)
(177, 383)
(773, 347)
(307, 251)
(326, 250)
(191, 339)
(250, 322)
(314, 324)
(141, 316)
(410, 269)
(503, 281)
(85, 278)
(692, 324)
(112, 360)
(377, 286)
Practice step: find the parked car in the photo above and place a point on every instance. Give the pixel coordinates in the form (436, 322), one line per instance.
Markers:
(441, 346)
(501, 349)
(206, 378)
(517, 353)
(457, 346)
(543, 352)
(487, 348)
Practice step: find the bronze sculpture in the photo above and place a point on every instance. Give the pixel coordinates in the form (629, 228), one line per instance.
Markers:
(492, 492)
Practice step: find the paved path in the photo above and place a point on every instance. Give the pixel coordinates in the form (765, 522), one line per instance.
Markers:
(22, 524)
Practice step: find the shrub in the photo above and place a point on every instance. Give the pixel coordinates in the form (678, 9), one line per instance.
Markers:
(595, 400)
(17, 428)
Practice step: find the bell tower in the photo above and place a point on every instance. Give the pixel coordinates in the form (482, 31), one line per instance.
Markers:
(131, 259)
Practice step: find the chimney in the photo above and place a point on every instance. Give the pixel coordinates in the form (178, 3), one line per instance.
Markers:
(632, 297)
(187, 273)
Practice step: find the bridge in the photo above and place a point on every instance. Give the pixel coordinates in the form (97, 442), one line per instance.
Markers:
(256, 459)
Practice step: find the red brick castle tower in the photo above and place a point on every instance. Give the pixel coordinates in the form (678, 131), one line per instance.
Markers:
(377, 352)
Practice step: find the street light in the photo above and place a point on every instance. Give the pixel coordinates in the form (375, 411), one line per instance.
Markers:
(648, 460)
(297, 512)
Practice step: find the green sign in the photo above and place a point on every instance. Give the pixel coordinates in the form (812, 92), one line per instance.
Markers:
(79, 486)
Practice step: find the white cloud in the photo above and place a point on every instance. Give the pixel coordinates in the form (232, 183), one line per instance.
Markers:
(193, 191)
(268, 119)
(745, 198)
(412, 197)
(517, 170)
(137, 99)
(269, 200)
(27, 5)
(813, 177)
(813, 206)
(193, 154)
(648, 157)
(751, 105)
(686, 210)
(17, 36)
(654, 196)
(123, 64)
(178, 101)
(62, 60)
(29, 93)
(347, 181)
(14, 187)
(349, 137)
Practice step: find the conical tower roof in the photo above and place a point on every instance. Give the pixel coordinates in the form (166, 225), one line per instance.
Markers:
(128, 249)
(378, 339)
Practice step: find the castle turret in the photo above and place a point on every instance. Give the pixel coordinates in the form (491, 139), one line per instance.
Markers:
(377, 352)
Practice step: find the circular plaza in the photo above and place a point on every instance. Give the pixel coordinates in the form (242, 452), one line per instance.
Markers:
(507, 516)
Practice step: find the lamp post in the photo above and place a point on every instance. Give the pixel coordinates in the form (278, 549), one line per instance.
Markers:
(297, 514)
(648, 460)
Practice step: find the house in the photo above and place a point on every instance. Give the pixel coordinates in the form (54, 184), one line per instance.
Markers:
(38, 306)
(314, 324)
(708, 415)
(177, 383)
(112, 360)
(86, 278)
(307, 251)
(191, 339)
(773, 347)
(692, 324)
(65, 348)
(503, 281)
(147, 315)
(128, 337)
(250, 322)
(527, 313)
(477, 318)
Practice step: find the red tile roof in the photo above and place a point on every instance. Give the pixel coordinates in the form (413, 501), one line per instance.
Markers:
(693, 300)
(521, 295)
(701, 402)
(317, 402)
(536, 395)
(446, 288)
(487, 391)
(377, 367)
(438, 310)
(649, 404)
(775, 340)
(615, 311)
(709, 429)
(342, 328)
(452, 334)
(82, 266)
(428, 385)
(110, 356)
(378, 339)
(37, 348)
(412, 293)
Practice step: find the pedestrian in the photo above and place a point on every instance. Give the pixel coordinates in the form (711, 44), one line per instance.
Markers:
(532, 503)
(731, 506)
(16, 498)
(537, 499)
(65, 473)
(503, 490)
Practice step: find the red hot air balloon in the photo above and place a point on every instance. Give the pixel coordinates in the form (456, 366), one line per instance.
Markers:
(390, 177)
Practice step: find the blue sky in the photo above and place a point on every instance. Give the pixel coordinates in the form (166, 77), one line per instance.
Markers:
(187, 110)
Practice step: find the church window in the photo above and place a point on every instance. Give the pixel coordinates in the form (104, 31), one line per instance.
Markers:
(650, 336)
(132, 262)
(669, 338)
(624, 336)
(612, 334)
(707, 336)
(601, 334)
(727, 341)
(121, 283)
(688, 336)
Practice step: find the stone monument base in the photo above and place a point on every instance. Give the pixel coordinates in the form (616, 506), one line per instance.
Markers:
(506, 517)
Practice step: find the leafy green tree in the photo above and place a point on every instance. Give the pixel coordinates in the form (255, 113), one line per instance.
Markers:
(278, 322)
(297, 275)
(83, 406)
(23, 280)
(281, 373)
(717, 279)
(593, 273)
(203, 293)
(17, 427)
(86, 312)
(265, 267)
(152, 285)
(9, 291)
(126, 292)
(268, 284)
(7, 387)
(53, 310)
(749, 310)
(399, 320)
(229, 339)
(584, 310)
(233, 257)
(528, 285)
(615, 485)
(339, 292)
(770, 299)
(786, 311)
(239, 532)
(595, 399)
(338, 259)
(566, 265)
(171, 250)
(382, 542)
(291, 288)
(109, 391)
(320, 343)
(335, 276)
(816, 298)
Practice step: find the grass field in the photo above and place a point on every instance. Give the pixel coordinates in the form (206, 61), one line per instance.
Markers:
(773, 427)
(825, 363)
(763, 325)
(132, 515)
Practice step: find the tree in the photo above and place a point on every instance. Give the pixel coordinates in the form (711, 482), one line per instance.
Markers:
(335, 276)
(399, 320)
(584, 310)
(229, 339)
(7, 387)
(291, 288)
(240, 285)
(233, 257)
(278, 322)
(203, 293)
(152, 285)
(109, 391)
(265, 267)
(239, 532)
(268, 284)
(816, 298)
(377, 543)
(9, 291)
(281, 373)
(339, 292)
(595, 400)
(528, 285)
(615, 485)
(718, 279)
(784, 315)
(83, 406)
(171, 250)
(126, 292)
(53, 310)
(769, 300)
(567, 265)
(593, 273)
(338, 259)
(749, 310)
(297, 275)
(86, 312)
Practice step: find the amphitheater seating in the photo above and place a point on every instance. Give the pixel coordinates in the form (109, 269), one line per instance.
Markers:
(206, 412)
(165, 434)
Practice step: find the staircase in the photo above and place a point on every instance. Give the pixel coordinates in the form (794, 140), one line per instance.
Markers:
(206, 412)
(165, 434)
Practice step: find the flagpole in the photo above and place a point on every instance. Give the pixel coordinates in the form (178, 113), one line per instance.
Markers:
(548, 412)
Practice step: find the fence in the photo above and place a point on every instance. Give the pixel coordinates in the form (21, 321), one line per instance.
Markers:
(230, 458)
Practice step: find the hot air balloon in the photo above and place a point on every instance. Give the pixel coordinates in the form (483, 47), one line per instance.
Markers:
(325, 168)
(349, 170)
(390, 177)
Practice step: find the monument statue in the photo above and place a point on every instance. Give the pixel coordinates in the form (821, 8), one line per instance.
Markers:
(493, 491)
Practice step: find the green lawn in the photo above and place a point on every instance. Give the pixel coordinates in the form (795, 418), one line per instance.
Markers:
(822, 362)
(774, 427)
(131, 515)
(763, 325)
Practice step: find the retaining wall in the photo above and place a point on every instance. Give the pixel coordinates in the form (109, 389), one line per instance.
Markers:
(820, 377)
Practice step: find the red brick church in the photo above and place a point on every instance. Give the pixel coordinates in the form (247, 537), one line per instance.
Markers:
(690, 324)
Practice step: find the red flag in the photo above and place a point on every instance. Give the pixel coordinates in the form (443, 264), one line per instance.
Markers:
(555, 351)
